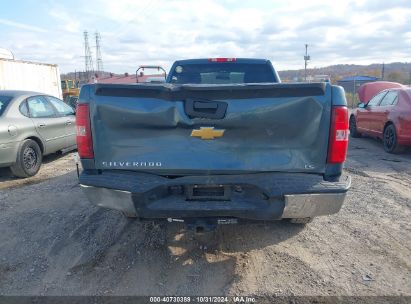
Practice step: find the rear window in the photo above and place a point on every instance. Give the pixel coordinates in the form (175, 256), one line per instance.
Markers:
(4, 102)
(222, 73)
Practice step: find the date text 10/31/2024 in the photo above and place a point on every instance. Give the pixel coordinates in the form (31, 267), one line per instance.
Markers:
(202, 299)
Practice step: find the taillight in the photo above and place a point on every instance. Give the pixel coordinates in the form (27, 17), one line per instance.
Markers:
(84, 138)
(338, 143)
(222, 59)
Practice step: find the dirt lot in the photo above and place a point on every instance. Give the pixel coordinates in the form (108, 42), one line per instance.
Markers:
(53, 242)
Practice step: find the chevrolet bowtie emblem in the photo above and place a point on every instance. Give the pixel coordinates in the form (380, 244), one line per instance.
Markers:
(207, 133)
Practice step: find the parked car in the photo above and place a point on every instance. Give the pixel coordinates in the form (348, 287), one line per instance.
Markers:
(33, 125)
(368, 90)
(386, 116)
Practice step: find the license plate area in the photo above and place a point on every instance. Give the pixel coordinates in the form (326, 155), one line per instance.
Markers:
(208, 192)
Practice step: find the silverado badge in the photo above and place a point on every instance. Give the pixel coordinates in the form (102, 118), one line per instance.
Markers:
(207, 133)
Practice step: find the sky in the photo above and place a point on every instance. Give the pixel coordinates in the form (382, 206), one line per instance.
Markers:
(138, 32)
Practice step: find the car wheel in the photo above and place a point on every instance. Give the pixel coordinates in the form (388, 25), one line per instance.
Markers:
(353, 128)
(29, 158)
(391, 141)
(301, 221)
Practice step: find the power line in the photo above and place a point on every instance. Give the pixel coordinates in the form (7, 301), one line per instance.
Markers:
(306, 59)
(88, 59)
(99, 59)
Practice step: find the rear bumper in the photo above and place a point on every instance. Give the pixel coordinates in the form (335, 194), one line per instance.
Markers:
(8, 153)
(265, 196)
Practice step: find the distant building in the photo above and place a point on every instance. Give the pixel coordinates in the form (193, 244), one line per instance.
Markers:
(322, 78)
(352, 83)
(317, 78)
(310, 78)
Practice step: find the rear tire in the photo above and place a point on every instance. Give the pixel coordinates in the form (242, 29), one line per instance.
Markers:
(390, 140)
(353, 128)
(301, 221)
(28, 161)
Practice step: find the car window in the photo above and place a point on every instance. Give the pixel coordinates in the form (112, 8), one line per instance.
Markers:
(23, 109)
(61, 107)
(40, 107)
(375, 101)
(389, 99)
(4, 102)
(222, 73)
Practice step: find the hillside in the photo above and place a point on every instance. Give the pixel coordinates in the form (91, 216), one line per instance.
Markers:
(396, 71)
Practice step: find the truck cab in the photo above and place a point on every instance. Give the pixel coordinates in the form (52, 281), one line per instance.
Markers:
(222, 71)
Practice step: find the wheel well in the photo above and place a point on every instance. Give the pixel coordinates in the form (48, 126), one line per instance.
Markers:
(38, 141)
(387, 124)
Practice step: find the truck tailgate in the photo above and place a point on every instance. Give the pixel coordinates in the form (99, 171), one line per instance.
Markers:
(176, 130)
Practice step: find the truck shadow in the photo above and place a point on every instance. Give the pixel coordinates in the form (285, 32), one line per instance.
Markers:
(213, 262)
(236, 238)
(149, 258)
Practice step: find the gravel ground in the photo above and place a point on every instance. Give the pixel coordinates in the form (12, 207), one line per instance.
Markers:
(53, 242)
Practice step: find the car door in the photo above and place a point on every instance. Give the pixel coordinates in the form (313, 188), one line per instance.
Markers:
(381, 112)
(66, 112)
(49, 126)
(365, 116)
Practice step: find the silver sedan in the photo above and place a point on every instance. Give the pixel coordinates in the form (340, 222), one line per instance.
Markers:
(33, 125)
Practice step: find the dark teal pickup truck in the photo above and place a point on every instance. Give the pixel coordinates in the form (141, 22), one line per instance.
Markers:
(222, 141)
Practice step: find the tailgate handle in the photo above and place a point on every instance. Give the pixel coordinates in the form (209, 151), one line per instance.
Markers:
(205, 108)
(205, 105)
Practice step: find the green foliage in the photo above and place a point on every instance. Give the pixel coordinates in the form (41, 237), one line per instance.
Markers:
(398, 77)
(352, 100)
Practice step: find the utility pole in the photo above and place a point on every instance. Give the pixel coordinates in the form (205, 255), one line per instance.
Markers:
(383, 71)
(409, 81)
(88, 59)
(354, 98)
(99, 59)
(306, 59)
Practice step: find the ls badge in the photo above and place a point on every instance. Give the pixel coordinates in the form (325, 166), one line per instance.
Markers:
(207, 133)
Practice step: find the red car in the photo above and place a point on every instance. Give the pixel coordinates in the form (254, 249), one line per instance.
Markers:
(386, 116)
